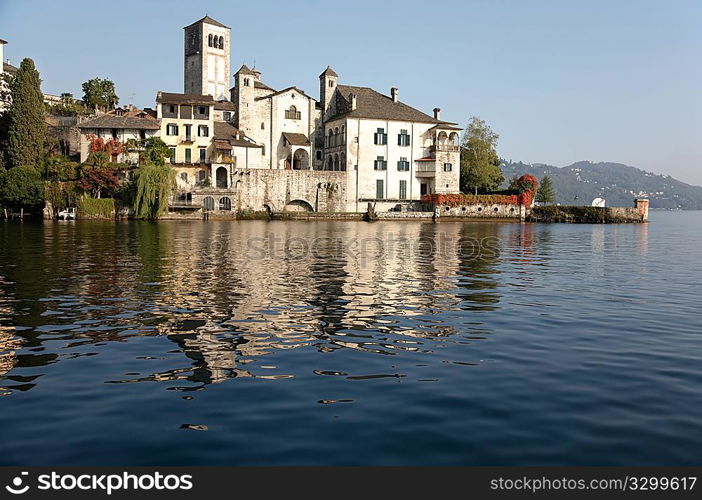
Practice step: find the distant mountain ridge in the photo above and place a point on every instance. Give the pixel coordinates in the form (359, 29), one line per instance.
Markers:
(618, 184)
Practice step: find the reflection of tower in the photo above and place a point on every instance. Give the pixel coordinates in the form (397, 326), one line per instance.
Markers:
(207, 54)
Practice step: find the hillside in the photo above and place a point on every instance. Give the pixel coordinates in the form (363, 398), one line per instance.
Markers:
(618, 184)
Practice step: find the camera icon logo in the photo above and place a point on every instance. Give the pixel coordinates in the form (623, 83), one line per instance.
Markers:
(16, 487)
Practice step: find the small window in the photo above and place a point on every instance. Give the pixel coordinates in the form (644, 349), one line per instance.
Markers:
(227, 116)
(203, 131)
(331, 83)
(263, 150)
(202, 110)
(319, 154)
(380, 137)
(171, 109)
(208, 203)
(171, 129)
(380, 163)
(184, 176)
(448, 167)
(188, 155)
(221, 42)
(403, 165)
(246, 82)
(115, 133)
(142, 134)
(263, 126)
(172, 152)
(209, 40)
(293, 113)
(403, 138)
(203, 155)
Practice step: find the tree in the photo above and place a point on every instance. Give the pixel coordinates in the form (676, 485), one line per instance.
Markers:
(480, 164)
(67, 107)
(26, 135)
(155, 184)
(100, 94)
(546, 193)
(155, 151)
(99, 181)
(21, 187)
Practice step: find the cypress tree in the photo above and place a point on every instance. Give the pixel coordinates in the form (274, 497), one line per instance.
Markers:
(546, 192)
(26, 135)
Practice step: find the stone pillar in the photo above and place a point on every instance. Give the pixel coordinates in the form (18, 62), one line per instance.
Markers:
(641, 205)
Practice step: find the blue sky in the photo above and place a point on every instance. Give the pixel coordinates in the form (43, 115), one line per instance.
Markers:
(560, 81)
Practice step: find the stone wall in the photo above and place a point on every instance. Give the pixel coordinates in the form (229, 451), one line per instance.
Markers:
(280, 191)
(481, 211)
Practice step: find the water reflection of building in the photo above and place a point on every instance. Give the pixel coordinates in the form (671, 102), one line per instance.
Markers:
(9, 344)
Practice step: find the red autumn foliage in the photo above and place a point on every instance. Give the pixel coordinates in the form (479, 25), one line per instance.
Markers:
(97, 181)
(112, 147)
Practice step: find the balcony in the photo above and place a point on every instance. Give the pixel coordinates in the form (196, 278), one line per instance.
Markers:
(444, 148)
(188, 139)
(425, 169)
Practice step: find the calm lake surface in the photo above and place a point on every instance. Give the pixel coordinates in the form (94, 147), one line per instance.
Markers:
(296, 343)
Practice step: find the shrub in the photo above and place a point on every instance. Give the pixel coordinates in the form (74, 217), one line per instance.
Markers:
(96, 208)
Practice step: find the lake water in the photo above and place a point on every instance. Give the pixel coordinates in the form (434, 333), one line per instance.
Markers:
(305, 343)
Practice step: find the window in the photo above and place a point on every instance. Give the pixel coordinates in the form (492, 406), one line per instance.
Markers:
(115, 133)
(403, 138)
(331, 83)
(403, 165)
(203, 153)
(225, 203)
(221, 42)
(403, 190)
(380, 137)
(379, 189)
(208, 203)
(246, 82)
(171, 129)
(202, 110)
(380, 163)
(292, 113)
(201, 176)
(227, 115)
(172, 152)
(203, 131)
(319, 154)
(142, 134)
(188, 132)
(188, 155)
(209, 40)
(171, 109)
(184, 176)
(263, 126)
(263, 150)
(448, 167)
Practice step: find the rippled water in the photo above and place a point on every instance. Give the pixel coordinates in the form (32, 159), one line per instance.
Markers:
(351, 343)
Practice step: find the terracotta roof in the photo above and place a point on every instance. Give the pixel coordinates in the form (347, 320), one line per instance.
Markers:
(174, 98)
(329, 72)
(222, 144)
(244, 70)
(208, 20)
(296, 139)
(9, 68)
(374, 105)
(282, 92)
(223, 131)
(225, 106)
(428, 158)
(261, 85)
(446, 126)
(121, 122)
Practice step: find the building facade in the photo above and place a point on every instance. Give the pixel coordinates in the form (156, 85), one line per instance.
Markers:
(387, 152)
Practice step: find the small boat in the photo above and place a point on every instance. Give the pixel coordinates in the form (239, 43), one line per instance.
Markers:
(69, 214)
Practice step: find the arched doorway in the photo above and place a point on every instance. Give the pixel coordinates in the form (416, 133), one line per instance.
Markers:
(301, 160)
(221, 176)
(208, 203)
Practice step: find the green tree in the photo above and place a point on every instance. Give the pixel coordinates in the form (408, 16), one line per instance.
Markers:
(155, 151)
(21, 187)
(480, 164)
(100, 94)
(546, 192)
(154, 185)
(26, 134)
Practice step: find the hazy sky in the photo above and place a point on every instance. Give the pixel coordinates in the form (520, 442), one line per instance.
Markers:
(560, 81)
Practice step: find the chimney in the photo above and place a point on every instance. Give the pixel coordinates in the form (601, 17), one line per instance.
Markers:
(437, 113)
(237, 135)
(393, 92)
(354, 103)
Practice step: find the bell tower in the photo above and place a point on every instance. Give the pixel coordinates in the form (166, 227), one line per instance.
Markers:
(206, 59)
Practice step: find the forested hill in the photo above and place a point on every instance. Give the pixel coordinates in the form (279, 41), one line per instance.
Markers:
(618, 184)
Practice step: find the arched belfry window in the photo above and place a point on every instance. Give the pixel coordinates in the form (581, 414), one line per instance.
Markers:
(209, 40)
(221, 42)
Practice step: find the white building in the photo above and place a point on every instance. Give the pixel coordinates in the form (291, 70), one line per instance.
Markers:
(391, 152)
(126, 126)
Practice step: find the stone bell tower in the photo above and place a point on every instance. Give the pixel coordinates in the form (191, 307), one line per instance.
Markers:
(206, 60)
